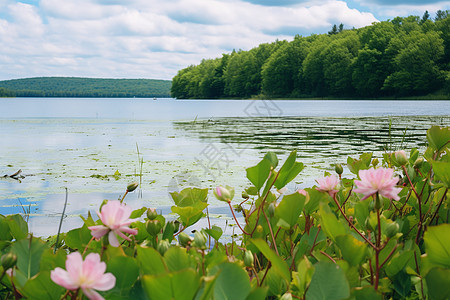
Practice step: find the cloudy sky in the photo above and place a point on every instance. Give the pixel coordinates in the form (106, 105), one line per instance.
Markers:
(156, 38)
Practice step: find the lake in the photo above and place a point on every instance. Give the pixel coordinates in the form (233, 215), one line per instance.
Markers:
(93, 147)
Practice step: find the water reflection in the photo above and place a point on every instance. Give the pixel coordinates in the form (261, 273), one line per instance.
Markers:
(323, 136)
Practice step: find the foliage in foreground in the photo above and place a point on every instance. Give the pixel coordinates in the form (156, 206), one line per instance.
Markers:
(381, 235)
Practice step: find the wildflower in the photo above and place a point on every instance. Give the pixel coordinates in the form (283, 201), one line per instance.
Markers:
(115, 218)
(302, 192)
(379, 181)
(328, 184)
(89, 275)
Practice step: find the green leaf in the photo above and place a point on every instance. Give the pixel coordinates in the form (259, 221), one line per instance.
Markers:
(259, 173)
(354, 165)
(189, 196)
(257, 293)
(353, 250)
(272, 157)
(438, 282)
(367, 293)
(18, 227)
(126, 271)
(176, 259)
(182, 285)
(330, 224)
(42, 287)
(137, 213)
(438, 137)
(290, 208)
(79, 238)
(150, 261)
(328, 283)
(442, 171)
(215, 232)
(29, 254)
(277, 263)
(398, 263)
(315, 198)
(232, 282)
(189, 215)
(437, 244)
(5, 232)
(288, 171)
(50, 261)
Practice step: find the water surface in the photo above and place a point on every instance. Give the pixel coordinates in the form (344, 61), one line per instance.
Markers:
(93, 146)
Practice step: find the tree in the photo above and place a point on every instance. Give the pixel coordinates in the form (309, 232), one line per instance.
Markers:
(338, 58)
(281, 72)
(416, 64)
(425, 17)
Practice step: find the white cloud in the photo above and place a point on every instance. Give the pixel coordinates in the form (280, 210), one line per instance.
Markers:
(148, 38)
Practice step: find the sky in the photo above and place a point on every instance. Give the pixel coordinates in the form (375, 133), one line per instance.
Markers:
(155, 38)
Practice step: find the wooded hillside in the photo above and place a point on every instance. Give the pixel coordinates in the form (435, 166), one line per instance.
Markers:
(87, 87)
(400, 57)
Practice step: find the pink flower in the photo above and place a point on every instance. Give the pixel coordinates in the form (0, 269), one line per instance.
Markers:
(89, 275)
(328, 184)
(379, 181)
(115, 218)
(302, 192)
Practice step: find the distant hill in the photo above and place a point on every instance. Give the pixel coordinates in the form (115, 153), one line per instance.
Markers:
(87, 87)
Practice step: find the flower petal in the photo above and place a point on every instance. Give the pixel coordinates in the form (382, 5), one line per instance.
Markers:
(61, 277)
(106, 282)
(92, 295)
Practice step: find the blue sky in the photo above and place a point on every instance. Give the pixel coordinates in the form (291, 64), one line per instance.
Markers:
(156, 38)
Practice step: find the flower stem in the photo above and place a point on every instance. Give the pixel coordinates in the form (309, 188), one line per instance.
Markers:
(351, 224)
(234, 216)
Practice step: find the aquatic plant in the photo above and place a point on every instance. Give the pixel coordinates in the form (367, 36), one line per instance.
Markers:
(378, 230)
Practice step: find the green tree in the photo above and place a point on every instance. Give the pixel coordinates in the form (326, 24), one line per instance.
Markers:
(337, 65)
(281, 73)
(313, 67)
(416, 64)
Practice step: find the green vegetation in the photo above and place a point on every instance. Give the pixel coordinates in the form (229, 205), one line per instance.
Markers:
(6, 93)
(378, 231)
(404, 57)
(86, 87)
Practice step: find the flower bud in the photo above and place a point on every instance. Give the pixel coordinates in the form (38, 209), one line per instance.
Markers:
(153, 227)
(375, 162)
(184, 239)
(271, 209)
(245, 195)
(338, 168)
(248, 258)
(8, 260)
(222, 194)
(151, 213)
(132, 186)
(163, 246)
(199, 240)
(392, 229)
(400, 157)
(176, 224)
(286, 296)
(418, 163)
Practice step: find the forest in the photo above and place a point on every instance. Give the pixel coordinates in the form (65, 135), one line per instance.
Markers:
(403, 57)
(84, 87)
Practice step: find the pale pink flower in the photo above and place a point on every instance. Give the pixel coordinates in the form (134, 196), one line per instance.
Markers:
(379, 181)
(328, 184)
(302, 192)
(89, 275)
(115, 218)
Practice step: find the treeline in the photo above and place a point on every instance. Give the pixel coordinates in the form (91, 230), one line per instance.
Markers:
(86, 87)
(401, 57)
(6, 93)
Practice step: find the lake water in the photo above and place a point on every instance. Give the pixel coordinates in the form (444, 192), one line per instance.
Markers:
(93, 147)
